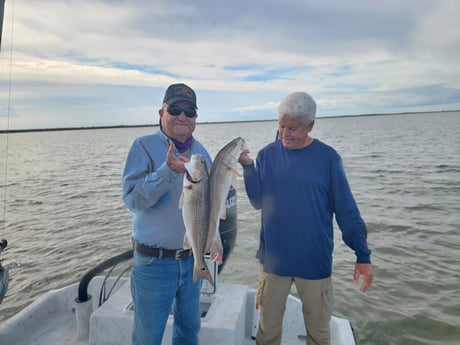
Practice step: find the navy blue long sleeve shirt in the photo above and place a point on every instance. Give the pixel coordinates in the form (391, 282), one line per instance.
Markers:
(299, 191)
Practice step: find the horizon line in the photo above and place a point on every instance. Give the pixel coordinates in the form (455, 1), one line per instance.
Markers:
(206, 122)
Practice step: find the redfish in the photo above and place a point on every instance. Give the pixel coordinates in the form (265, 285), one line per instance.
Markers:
(222, 175)
(195, 204)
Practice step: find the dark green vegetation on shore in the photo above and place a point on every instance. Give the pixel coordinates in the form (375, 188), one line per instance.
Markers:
(201, 123)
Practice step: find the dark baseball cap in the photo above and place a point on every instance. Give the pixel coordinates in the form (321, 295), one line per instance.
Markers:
(179, 92)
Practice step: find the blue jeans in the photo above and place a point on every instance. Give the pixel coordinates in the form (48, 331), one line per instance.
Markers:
(157, 285)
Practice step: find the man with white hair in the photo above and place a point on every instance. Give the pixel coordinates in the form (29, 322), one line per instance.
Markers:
(299, 184)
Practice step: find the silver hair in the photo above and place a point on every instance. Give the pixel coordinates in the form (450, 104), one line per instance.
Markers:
(298, 105)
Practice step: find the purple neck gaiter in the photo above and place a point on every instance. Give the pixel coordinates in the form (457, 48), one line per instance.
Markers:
(182, 147)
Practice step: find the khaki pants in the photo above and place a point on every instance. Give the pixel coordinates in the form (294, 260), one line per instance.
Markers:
(317, 304)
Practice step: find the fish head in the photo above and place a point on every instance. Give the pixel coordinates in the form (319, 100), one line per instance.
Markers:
(242, 144)
(236, 146)
(195, 168)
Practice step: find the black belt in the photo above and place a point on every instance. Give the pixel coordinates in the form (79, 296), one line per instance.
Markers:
(162, 253)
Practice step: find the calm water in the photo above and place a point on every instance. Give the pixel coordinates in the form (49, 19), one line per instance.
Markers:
(64, 214)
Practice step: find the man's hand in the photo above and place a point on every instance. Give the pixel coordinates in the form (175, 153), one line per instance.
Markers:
(217, 257)
(245, 159)
(368, 275)
(175, 163)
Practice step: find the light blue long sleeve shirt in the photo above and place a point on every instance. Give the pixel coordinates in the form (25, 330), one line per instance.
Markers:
(299, 192)
(151, 190)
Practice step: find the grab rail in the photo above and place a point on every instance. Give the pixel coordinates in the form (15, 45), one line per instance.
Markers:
(85, 280)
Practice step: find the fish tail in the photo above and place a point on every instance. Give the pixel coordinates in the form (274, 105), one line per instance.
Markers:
(202, 272)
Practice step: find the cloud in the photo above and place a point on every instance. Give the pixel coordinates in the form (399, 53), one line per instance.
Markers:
(75, 62)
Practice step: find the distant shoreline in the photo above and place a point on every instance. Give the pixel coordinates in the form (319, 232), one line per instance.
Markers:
(206, 123)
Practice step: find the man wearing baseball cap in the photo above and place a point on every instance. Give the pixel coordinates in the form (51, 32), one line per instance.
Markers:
(152, 185)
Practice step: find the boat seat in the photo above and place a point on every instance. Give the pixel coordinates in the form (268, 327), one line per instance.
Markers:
(223, 323)
(112, 323)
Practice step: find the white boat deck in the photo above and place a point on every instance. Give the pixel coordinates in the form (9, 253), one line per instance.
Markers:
(52, 319)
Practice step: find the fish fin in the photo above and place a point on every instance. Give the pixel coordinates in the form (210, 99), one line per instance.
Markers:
(216, 245)
(223, 214)
(181, 200)
(186, 242)
(217, 258)
(216, 251)
(234, 180)
(236, 172)
(213, 228)
(233, 170)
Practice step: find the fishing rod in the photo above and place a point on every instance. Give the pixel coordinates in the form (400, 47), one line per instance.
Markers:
(4, 275)
(2, 8)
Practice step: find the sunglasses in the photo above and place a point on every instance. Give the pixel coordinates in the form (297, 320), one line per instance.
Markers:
(175, 110)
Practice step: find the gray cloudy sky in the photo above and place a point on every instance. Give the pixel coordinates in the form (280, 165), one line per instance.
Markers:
(95, 62)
